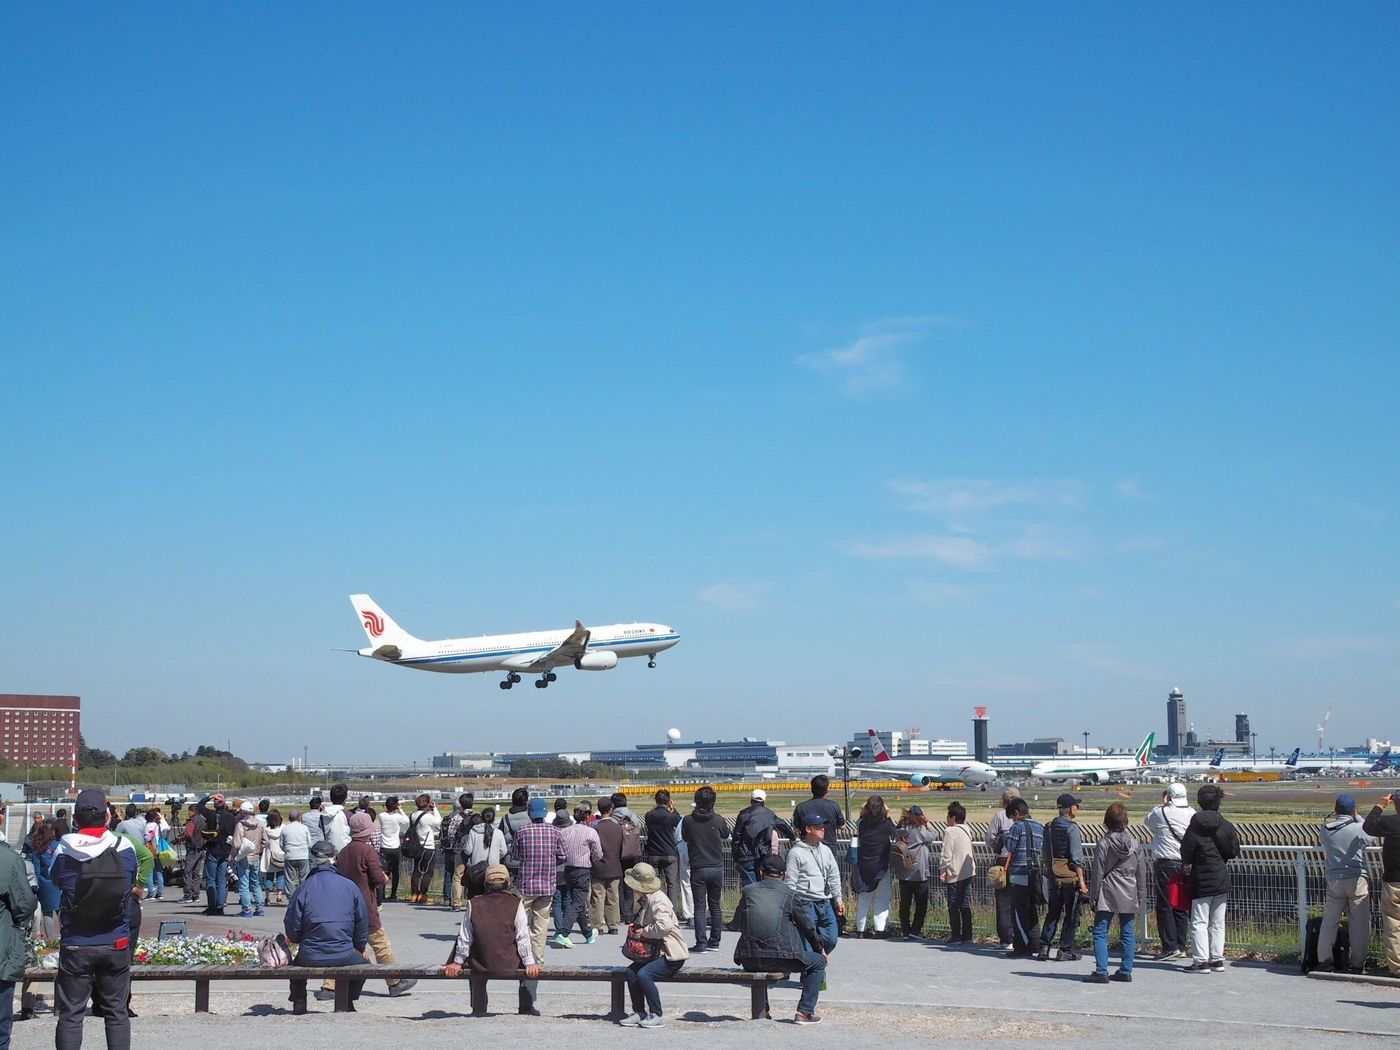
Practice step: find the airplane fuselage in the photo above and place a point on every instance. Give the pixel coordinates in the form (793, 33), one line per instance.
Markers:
(514, 652)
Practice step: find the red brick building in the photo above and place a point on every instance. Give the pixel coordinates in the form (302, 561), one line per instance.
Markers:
(39, 730)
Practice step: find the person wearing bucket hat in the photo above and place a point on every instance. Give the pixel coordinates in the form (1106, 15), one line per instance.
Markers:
(1168, 823)
(494, 938)
(656, 921)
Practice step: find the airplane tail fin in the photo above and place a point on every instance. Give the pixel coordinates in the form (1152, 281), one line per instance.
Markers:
(877, 748)
(1293, 758)
(1219, 757)
(379, 626)
(1381, 764)
(1144, 753)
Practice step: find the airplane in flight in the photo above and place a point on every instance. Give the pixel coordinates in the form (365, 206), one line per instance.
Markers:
(534, 652)
(925, 771)
(1095, 770)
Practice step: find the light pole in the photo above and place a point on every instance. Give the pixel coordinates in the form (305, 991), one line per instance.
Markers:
(1086, 743)
(1254, 746)
(845, 755)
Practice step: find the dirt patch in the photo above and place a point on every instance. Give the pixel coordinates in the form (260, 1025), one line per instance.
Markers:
(933, 1025)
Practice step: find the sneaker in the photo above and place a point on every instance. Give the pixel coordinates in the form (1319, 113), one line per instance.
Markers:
(259, 912)
(631, 1021)
(560, 941)
(1122, 977)
(1196, 967)
(699, 949)
(802, 1018)
(324, 995)
(403, 987)
(1067, 955)
(1043, 955)
(1167, 954)
(592, 937)
(246, 913)
(1095, 978)
(653, 1021)
(1008, 947)
(1218, 966)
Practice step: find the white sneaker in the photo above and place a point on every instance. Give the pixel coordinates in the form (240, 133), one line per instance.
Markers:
(1008, 947)
(631, 1020)
(653, 1021)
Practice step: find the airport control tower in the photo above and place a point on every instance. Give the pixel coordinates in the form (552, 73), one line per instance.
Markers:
(1176, 721)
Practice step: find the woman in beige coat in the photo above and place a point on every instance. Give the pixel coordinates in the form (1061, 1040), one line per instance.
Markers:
(656, 921)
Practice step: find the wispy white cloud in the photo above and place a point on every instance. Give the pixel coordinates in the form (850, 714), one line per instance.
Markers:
(963, 496)
(735, 596)
(1334, 646)
(1098, 657)
(924, 592)
(963, 552)
(875, 361)
(1132, 490)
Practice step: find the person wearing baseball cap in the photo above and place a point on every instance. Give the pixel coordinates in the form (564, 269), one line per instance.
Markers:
(539, 850)
(494, 938)
(1168, 822)
(1344, 841)
(754, 828)
(1064, 847)
(217, 826)
(1386, 827)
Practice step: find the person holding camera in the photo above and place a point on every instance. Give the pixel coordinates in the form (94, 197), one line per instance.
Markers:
(1386, 827)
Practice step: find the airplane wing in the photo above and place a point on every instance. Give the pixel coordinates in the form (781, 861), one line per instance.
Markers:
(567, 651)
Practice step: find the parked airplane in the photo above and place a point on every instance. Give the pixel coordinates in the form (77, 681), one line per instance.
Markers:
(925, 771)
(1192, 765)
(534, 652)
(1094, 770)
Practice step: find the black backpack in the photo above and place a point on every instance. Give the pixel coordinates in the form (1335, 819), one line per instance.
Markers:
(411, 845)
(104, 886)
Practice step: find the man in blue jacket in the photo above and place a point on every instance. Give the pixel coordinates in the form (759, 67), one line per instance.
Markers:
(328, 922)
(95, 872)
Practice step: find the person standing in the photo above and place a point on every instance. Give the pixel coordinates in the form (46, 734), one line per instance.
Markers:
(582, 850)
(874, 835)
(486, 847)
(424, 825)
(911, 861)
(156, 832)
(335, 822)
(660, 849)
(249, 841)
(94, 955)
(604, 911)
(1344, 842)
(538, 851)
(19, 902)
(393, 822)
(1025, 844)
(705, 832)
(312, 819)
(328, 922)
(820, 810)
(812, 872)
(514, 819)
(274, 859)
(494, 938)
(359, 862)
(1386, 827)
(192, 865)
(1168, 823)
(956, 870)
(656, 921)
(775, 933)
(1064, 857)
(296, 851)
(217, 828)
(997, 831)
(454, 841)
(1120, 888)
(754, 830)
(1209, 844)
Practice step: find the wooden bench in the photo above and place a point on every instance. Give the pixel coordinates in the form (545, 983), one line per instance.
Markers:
(203, 976)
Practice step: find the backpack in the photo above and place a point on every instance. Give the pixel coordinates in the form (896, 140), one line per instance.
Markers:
(411, 845)
(901, 859)
(758, 837)
(274, 952)
(104, 887)
(631, 842)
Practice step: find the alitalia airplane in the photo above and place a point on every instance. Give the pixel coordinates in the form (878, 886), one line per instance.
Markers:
(925, 771)
(1095, 770)
(534, 652)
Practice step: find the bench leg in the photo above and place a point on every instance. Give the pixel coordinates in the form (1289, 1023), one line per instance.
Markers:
(619, 995)
(26, 999)
(201, 995)
(342, 997)
(758, 1000)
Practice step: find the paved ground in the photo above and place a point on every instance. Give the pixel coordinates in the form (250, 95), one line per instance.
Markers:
(888, 991)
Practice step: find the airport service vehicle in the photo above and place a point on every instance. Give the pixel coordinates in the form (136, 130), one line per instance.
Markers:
(533, 652)
(1095, 770)
(922, 772)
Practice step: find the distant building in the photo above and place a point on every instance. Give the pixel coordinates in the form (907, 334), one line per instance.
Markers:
(478, 761)
(1046, 746)
(909, 745)
(39, 730)
(1176, 722)
(1242, 729)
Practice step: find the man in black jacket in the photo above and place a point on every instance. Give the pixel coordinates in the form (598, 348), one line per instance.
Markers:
(820, 810)
(1386, 827)
(704, 832)
(217, 829)
(753, 835)
(1209, 843)
(660, 849)
(776, 934)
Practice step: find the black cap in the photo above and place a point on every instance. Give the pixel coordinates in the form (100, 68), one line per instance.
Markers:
(1066, 800)
(772, 864)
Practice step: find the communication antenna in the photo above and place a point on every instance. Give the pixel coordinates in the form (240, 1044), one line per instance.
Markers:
(1322, 726)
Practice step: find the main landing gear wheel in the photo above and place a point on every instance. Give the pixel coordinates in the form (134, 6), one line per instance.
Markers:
(542, 681)
(514, 678)
(551, 676)
(507, 684)
(652, 662)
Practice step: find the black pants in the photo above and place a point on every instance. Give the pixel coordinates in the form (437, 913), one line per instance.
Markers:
(389, 858)
(422, 879)
(668, 869)
(1063, 905)
(1025, 920)
(298, 987)
(916, 894)
(1006, 912)
(1172, 923)
(960, 911)
(574, 892)
(706, 885)
(102, 974)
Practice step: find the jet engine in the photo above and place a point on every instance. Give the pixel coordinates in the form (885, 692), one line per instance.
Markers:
(599, 661)
(920, 780)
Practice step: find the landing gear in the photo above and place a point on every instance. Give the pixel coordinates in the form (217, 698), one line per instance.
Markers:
(542, 682)
(507, 684)
(510, 680)
(651, 662)
(551, 676)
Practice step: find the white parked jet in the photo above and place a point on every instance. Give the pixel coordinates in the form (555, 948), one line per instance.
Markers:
(535, 652)
(925, 771)
(1095, 770)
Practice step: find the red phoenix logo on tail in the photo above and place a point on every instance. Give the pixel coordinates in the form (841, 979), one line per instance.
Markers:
(374, 623)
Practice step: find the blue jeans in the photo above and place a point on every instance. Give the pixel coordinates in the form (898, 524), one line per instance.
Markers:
(1127, 926)
(216, 880)
(748, 873)
(558, 909)
(641, 982)
(812, 966)
(250, 887)
(155, 886)
(823, 917)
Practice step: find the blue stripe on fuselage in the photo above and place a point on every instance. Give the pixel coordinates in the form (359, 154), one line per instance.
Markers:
(496, 654)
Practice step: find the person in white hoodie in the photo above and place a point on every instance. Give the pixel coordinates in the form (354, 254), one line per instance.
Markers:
(813, 873)
(335, 822)
(1168, 823)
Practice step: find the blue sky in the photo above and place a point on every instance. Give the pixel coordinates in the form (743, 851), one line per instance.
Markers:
(906, 360)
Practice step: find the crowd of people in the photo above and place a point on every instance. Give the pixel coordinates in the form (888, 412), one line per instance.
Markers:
(655, 880)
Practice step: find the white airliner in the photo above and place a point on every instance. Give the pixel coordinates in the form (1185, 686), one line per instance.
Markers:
(535, 652)
(1095, 770)
(925, 771)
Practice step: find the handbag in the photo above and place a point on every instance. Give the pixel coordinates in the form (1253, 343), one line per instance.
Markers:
(1179, 891)
(996, 875)
(639, 948)
(274, 952)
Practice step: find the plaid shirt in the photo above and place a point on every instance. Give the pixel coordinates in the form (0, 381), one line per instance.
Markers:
(540, 850)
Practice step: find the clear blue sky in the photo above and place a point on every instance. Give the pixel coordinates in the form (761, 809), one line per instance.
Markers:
(905, 359)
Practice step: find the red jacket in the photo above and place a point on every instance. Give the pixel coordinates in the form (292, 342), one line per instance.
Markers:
(359, 862)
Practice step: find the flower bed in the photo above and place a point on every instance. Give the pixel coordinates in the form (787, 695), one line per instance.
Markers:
(234, 949)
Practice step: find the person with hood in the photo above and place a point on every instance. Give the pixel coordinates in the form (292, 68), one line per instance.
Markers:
(1344, 842)
(956, 869)
(912, 863)
(328, 922)
(656, 921)
(486, 847)
(1024, 845)
(997, 831)
(1209, 844)
(1119, 888)
(359, 862)
(776, 934)
(661, 823)
(1063, 858)
(19, 901)
(515, 818)
(874, 835)
(335, 822)
(1168, 823)
(1386, 827)
(494, 938)
(704, 832)
(249, 841)
(604, 910)
(94, 955)
(812, 872)
(754, 830)
(217, 828)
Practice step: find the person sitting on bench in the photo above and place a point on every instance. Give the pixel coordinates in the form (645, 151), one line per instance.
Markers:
(495, 938)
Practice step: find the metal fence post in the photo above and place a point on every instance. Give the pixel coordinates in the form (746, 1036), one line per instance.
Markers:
(1300, 872)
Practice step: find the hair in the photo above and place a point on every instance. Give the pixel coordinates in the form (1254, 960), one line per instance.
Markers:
(1017, 808)
(423, 800)
(561, 803)
(957, 813)
(520, 797)
(1007, 794)
(619, 800)
(363, 803)
(466, 800)
(131, 810)
(580, 815)
(705, 798)
(488, 825)
(820, 784)
(264, 805)
(488, 815)
(60, 814)
(44, 832)
(1209, 797)
(274, 819)
(293, 816)
(315, 802)
(113, 818)
(153, 814)
(662, 796)
(605, 806)
(89, 817)
(339, 793)
(392, 803)
(874, 809)
(1115, 818)
(914, 820)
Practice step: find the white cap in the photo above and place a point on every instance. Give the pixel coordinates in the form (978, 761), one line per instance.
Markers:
(245, 807)
(759, 795)
(1177, 794)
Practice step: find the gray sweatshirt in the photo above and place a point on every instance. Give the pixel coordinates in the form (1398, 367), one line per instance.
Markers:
(1344, 847)
(812, 872)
